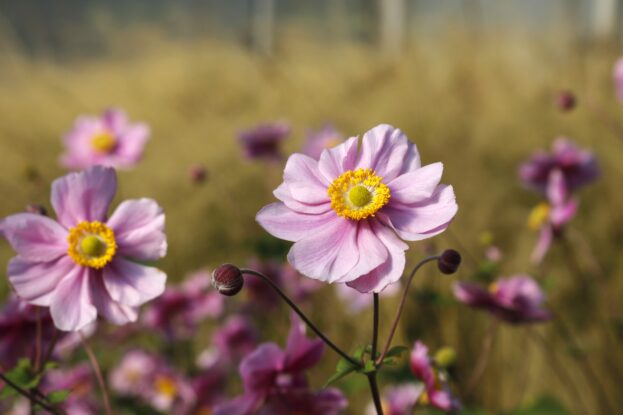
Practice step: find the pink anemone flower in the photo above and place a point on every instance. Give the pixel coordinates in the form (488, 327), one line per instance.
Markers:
(84, 264)
(348, 211)
(108, 140)
(437, 392)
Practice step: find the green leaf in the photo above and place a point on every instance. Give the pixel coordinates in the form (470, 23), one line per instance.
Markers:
(396, 351)
(343, 369)
(58, 397)
(23, 376)
(369, 367)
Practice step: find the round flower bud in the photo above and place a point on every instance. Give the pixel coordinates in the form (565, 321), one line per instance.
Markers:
(197, 173)
(36, 209)
(445, 357)
(227, 279)
(566, 101)
(449, 261)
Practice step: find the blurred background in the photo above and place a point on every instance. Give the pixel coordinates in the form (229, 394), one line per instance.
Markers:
(473, 83)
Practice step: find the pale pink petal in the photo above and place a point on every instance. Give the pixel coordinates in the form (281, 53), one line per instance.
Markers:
(388, 272)
(304, 180)
(115, 119)
(416, 185)
(372, 252)
(139, 229)
(84, 196)
(283, 193)
(133, 284)
(35, 282)
(132, 144)
(546, 237)
(412, 159)
(35, 237)
(280, 221)
(384, 149)
(111, 310)
(424, 219)
(71, 305)
(556, 187)
(335, 161)
(328, 254)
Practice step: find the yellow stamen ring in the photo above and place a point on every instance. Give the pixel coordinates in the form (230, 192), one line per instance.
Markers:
(358, 194)
(103, 142)
(91, 244)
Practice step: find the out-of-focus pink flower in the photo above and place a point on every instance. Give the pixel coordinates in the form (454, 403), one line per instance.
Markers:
(275, 383)
(317, 141)
(179, 310)
(356, 301)
(348, 211)
(437, 393)
(618, 79)
(109, 140)
(264, 141)
(84, 264)
(516, 300)
(551, 218)
(79, 381)
(399, 400)
(579, 167)
(236, 338)
(493, 253)
(149, 378)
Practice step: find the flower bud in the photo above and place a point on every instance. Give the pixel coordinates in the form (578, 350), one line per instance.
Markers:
(197, 173)
(445, 357)
(36, 209)
(566, 101)
(449, 261)
(227, 279)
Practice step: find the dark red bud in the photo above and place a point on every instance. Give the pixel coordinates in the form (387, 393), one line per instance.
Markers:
(197, 173)
(449, 261)
(227, 279)
(566, 101)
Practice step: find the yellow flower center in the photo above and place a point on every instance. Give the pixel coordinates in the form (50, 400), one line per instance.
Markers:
(91, 244)
(166, 386)
(103, 142)
(358, 194)
(493, 287)
(538, 216)
(424, 400)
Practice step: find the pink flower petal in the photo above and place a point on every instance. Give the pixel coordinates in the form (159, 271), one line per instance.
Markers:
(115, 119)
(259, 368)
(546, 237)
(35, 237)
(416, 185)
(424, 219)
(335, 161)
(389, 271)
(302, 353)
(35, 282)
(304, 180)
(113, 311)
(372, 252)
(384, 149)
(84, 196)
(286, 224)
(71, 306)
(131, 144)
(132, 284)
(139, 229)
(327, 254)
(283, 193)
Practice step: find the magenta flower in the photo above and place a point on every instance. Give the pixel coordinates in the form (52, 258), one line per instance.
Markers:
(618, 78)
(318, 141)
(79, 381)
(437, 393)
(579, 167)
(516, 300)
(264, 141)
(84, 264)
(348, 211)
(275, 383)
(399, 400)
(179, 310)
(236, 338)
(109, 140)
(551, 218)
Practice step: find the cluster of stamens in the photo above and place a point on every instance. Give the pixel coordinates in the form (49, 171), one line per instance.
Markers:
(358, 194)
(91, 244)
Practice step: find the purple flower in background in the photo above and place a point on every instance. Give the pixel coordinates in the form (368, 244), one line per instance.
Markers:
(80, 265)
(579, 167)
(551, 218)
(179, 310)
(208, 388)
(236, 338)
(110, 140)
(348, 212)
(264, 140)
(275, 383)
(618, 78)
(356, 301)
(437, 393)
(317, 141)
(78, 380)
(399, 400)
(516, 300)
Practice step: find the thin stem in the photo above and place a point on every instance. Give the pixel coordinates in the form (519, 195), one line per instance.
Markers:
(50, 350)
(401, 306)
(374, 387)
(31, 396)
(98, 374)
(483, 358)
(301, 314)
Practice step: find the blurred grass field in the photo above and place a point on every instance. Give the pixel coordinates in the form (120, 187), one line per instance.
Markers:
(476, 101)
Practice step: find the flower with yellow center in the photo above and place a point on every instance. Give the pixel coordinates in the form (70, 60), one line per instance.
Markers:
(538, 216)
(358, 194)
(103, 142)
(165, 386)
(91, 244)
